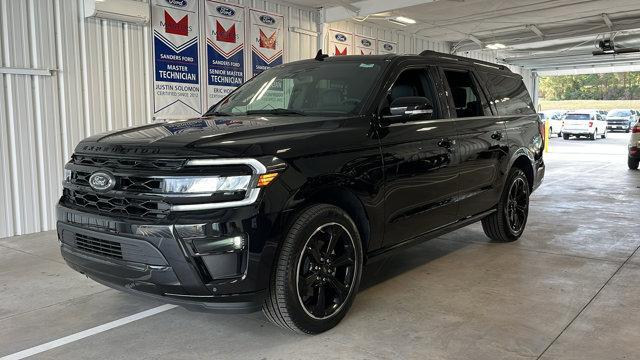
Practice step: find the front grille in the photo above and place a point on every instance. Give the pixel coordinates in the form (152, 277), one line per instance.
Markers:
(125, 183)
(99, 246)
(122, 206)
(129, 164)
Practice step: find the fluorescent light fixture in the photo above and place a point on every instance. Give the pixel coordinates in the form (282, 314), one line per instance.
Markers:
(405, 20)
(496, 46)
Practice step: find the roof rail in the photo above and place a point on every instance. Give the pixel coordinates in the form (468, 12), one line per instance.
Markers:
(463, 59)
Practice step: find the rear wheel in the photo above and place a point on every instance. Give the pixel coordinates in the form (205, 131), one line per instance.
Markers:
(317, 273)
(633, 163)
(594, 135)
(508, 223)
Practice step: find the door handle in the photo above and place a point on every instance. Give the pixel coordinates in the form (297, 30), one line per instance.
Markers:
(446, 143)
(497, 135)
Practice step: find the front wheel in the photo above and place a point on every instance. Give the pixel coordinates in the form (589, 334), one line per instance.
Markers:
(633, 163)
(565, 136)
(508, 223)
(317, 273)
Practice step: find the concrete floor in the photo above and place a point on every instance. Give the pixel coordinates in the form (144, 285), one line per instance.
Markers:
(568, 289)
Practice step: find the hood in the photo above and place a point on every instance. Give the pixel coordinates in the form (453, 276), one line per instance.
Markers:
(219, 136)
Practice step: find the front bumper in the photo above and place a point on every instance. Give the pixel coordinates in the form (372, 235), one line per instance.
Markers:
(159, 260)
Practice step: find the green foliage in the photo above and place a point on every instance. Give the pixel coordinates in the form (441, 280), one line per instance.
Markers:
(610, 86)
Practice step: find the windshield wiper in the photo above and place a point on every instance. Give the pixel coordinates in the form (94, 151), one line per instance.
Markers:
(278, 111)
(217, 113)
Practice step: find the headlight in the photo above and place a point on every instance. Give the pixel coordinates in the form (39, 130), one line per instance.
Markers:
(212, 184)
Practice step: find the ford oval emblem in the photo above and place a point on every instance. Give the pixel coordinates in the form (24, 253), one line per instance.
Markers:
(365, 42)
(178, 3)
(341, 37)
(225, 11)
(266, 19)
(388, 47)
(102, 181)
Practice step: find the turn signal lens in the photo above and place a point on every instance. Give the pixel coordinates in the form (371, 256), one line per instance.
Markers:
(266, 179)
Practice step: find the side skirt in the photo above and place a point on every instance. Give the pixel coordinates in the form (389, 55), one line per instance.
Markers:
(384, 252)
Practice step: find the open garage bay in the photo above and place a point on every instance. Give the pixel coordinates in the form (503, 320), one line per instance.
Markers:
(568, 289)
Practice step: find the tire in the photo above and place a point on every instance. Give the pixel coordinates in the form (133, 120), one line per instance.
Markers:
(550, 132)
(627, 130)
(565, 136)
(594, 135)
(633, 163)
(498, 226)
(298, 259)
(560, 134)
(604, 135)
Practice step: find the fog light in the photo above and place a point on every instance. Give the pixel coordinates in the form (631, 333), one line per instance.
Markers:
(208, 246)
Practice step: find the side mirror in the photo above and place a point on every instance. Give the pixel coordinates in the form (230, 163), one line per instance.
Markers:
(409, 108)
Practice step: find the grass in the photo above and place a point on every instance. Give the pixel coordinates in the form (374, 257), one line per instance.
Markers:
(588, 104)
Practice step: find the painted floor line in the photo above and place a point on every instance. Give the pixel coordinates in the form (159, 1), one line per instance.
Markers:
(86, 333)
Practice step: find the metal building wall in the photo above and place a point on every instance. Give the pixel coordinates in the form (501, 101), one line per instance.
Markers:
(100, 81)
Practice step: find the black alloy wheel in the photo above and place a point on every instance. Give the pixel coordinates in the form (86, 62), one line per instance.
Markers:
(326, 271)
(508, 222)
(317, 271)
(517, 208)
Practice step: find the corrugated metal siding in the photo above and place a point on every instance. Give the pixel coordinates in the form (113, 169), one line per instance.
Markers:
(407, 43)
(102, 83)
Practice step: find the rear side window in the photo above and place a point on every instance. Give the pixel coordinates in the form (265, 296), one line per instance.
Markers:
(510, 96)
(464, 93)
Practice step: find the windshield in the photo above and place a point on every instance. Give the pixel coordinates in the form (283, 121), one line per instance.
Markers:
(619, 113)
(309, 88)
(578, 117)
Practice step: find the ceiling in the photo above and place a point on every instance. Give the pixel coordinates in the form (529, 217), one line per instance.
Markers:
(544, 35)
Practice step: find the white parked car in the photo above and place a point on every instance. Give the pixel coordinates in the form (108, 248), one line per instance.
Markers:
(634, 147)
(587, 123)
(555, 120)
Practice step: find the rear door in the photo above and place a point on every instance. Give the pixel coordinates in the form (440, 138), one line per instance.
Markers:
(420, 160)
(482, 142)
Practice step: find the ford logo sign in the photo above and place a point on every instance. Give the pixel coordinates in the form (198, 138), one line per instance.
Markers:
(102, 181)
(365, 42)
(266, 19)
(388, 47)
(178, 3)
(225, 11)
(341, 37)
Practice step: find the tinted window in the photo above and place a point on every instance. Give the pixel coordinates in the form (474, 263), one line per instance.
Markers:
(578, 117)
(510, 96)
(410, 83)
(464, 93)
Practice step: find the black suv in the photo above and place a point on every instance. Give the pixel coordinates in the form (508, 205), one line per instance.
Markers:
(279, 195)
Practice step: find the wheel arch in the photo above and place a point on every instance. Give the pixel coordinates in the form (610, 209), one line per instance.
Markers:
(338, 191)
(524, 161)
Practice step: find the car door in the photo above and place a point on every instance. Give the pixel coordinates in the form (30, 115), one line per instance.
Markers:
(420, 163)
(600, 124)
(482, 142)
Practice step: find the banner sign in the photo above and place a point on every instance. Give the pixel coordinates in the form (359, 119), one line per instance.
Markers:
(340, 43)
(267, 40)
(176, 82)
(365, 45)
(387, 47)
(225, 49)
